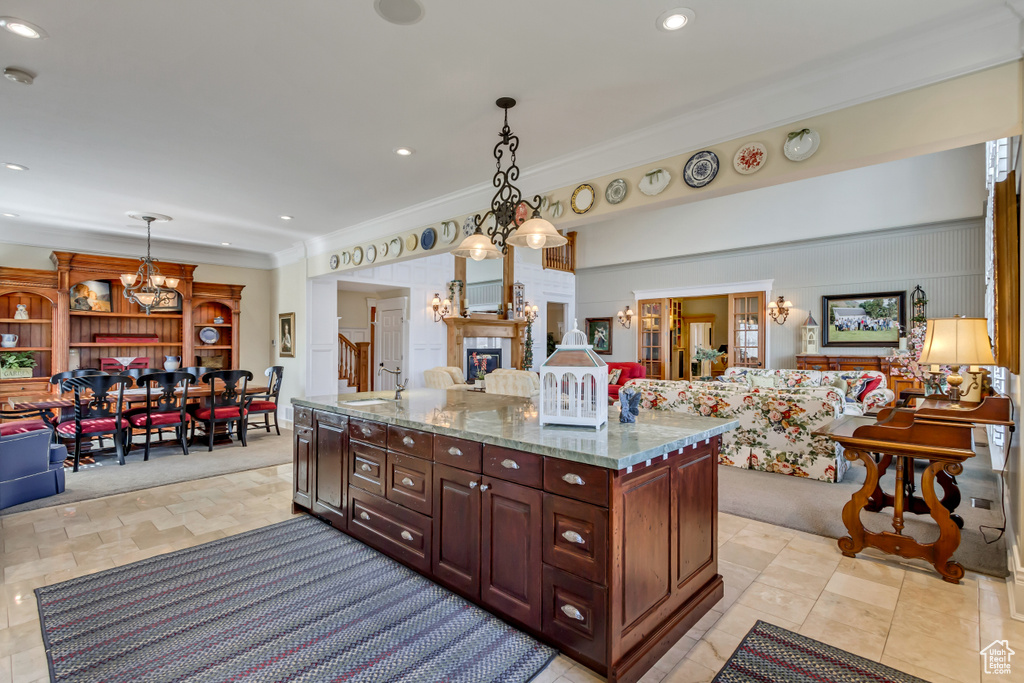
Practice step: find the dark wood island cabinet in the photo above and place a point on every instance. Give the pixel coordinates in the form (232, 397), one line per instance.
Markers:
(611, 566)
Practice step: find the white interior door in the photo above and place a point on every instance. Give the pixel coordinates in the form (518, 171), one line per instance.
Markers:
(390, 337)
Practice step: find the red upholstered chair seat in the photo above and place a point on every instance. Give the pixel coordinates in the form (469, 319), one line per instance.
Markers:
(221, 413)
(92, 425)
(21, 426)
(262, 407)
(159, 419)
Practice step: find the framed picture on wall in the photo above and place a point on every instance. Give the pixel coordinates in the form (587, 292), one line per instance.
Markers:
(599, 335)
(167, 303)
(863, 319)
(286, 334)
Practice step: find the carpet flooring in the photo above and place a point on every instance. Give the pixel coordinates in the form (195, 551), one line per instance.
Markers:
(817, 507)
(166, 465)
(295, 601)
(771, 653)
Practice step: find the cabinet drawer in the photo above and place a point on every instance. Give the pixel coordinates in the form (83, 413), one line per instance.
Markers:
(576, 480)
(367, 467)
(410, 441)
(334, 419)
(859, 365)
(409, 482)
(390, 528)
(576, 537)
(457, 452)
(575, 614)
(303, 416)
(517, 466)
(375, 433)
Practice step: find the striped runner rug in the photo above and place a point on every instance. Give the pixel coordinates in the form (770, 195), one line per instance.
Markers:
(295, 601)
(770, 653)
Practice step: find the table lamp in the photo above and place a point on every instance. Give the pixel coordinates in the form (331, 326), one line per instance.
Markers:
(956, 342)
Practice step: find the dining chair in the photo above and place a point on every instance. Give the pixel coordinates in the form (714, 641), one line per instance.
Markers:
(265, 404)
(136, 373)
(166, 409)
(68, 374)
(20, 420)
(223, 404)
(195, 371)
(97, 413)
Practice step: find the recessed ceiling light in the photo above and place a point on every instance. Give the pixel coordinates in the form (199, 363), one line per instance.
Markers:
(20, 27)
(404, 151)
(401, 12)
(287, 218)
(10, 215)
(17, 75)
(675, 19)
(225, 244)
(15, 167)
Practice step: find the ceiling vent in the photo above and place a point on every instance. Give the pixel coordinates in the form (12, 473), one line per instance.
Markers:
(401, 12)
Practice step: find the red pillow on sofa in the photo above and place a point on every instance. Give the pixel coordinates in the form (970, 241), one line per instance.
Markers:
(866, 388)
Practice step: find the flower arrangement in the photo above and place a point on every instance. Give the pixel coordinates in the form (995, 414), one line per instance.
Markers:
(703, 354)
(479, 366)
(908, 360)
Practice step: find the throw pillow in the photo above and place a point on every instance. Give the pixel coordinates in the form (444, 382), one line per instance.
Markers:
(867, 386)
(762, 381)
(732, 379)
(613, 375)
(841, 384)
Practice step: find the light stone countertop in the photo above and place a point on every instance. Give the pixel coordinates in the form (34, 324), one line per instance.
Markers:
(512, 422)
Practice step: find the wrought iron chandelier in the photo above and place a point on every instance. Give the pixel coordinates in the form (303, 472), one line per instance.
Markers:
(148, 287)
(535, 233)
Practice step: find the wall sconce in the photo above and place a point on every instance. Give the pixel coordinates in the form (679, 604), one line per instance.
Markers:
(778, 310)
(441, 308)
(625, 319)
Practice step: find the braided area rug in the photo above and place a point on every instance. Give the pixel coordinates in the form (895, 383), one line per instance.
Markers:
(771, 653)
(295, 601)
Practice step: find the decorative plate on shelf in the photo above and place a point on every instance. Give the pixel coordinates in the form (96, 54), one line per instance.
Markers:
(801, 144)
(701, 169)
(371, 253)
(616, 191)
(449, 231)
(357, 256)
(209, 335)
(654, 181)
(583, 198)
(750, 158)
(411, 242)
(428, 238)
(383, 249)
(396, 247)
(334, 261)
(346, 258)
(468, 226)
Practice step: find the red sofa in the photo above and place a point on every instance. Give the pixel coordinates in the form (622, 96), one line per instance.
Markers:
(629, 371)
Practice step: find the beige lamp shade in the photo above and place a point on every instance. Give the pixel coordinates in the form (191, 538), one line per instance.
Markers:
(536, 233)
(957, 341)
(477, 247)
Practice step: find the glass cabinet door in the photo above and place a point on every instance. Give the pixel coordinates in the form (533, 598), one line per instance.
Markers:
(746, 330)
(654, 331)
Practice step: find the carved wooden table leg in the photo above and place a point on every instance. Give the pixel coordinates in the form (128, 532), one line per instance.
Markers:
(949, 533)
(879, 498)
(854, 543)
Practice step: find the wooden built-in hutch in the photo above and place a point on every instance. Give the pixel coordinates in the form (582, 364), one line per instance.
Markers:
(54, 332)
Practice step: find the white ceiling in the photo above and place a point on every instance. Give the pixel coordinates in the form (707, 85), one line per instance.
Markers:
(227, 114)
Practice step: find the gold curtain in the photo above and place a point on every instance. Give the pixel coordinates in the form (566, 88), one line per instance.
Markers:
(1006, 218)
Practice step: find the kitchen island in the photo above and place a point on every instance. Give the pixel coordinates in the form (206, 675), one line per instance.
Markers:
(602, 543)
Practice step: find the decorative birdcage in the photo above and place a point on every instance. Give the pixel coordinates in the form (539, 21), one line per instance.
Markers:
(574, 384)
(809, 333)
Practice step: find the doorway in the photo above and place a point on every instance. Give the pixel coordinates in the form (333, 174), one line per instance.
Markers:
(698, 322)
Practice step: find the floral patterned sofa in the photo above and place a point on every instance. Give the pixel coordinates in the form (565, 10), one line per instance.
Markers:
(775, 424)
(866, 389)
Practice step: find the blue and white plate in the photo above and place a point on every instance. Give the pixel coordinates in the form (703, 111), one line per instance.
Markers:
(209, 335)
(469, 226)
(701, 169)
(428, 238)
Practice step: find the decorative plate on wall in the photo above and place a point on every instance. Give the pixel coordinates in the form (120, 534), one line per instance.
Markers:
(383, 249)
(346, 258)
(449, 231)
(701, 169)
(750, 158)
(522, 213)
(334, 261)
(209, 335)
(396, 247)
(654, 181)
(428, 238)
(468, 226)
(801, 144)
(357, 256)
(583, 198)
(616, 191)
(411, 242)
(371, 254)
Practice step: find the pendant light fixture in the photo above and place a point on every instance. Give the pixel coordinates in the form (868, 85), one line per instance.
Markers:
(147, 287)
(535, 233)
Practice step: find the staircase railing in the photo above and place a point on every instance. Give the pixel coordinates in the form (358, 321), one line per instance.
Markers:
(354, 363)
(563, 257)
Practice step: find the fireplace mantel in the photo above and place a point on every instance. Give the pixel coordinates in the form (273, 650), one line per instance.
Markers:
(460, 328)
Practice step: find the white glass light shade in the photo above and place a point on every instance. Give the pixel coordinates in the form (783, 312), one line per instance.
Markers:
(536, 233)
(128, 279)
(957, 341)
(145, 298)
(772, 304)
(172, 282)
(477, 247)
(436, 302)
(446, 304)
(788, 304)
(157, 280)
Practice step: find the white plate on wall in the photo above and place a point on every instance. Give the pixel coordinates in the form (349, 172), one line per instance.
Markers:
(396, 247)
(654, 181)
(750, 158)
(346, 258)
(357, 256)
(801, 144)
(371, 254)
(583, 198)
(449, 231)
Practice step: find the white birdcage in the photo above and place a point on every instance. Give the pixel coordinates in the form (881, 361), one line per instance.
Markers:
(574, 384)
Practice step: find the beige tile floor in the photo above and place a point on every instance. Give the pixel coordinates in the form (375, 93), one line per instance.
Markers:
(900, 615)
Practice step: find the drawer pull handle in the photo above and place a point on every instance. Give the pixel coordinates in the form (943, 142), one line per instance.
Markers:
(473, 484)
(572, 537)
(365, 431)
(363, 515)
(406, 535)
(408, 441)
(571, 478)
(454, 451)
(406, 481)
(510, 464)
(572, 612)
(484, 487)
(364, 467)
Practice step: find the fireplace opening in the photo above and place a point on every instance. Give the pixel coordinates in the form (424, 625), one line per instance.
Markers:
(489, 360)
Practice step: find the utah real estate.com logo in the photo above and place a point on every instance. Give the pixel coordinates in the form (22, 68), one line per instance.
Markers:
(997, 657)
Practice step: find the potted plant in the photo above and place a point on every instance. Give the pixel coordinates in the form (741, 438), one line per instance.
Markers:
(706, 357)
(16, 364)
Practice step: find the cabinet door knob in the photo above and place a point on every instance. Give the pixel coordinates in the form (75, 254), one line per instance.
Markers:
(406, 535)
(571, 478)
(406, 481)
(484, 487)
(363, 515)
(408, 441)
(510, 464)
(365, 431)
(364, 467)
(472, 484)
(454, 451)
(572, 537)
(572, 612)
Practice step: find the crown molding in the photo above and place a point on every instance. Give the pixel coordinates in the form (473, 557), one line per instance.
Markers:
(293, 254)
(939, 51)
(123, 245)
